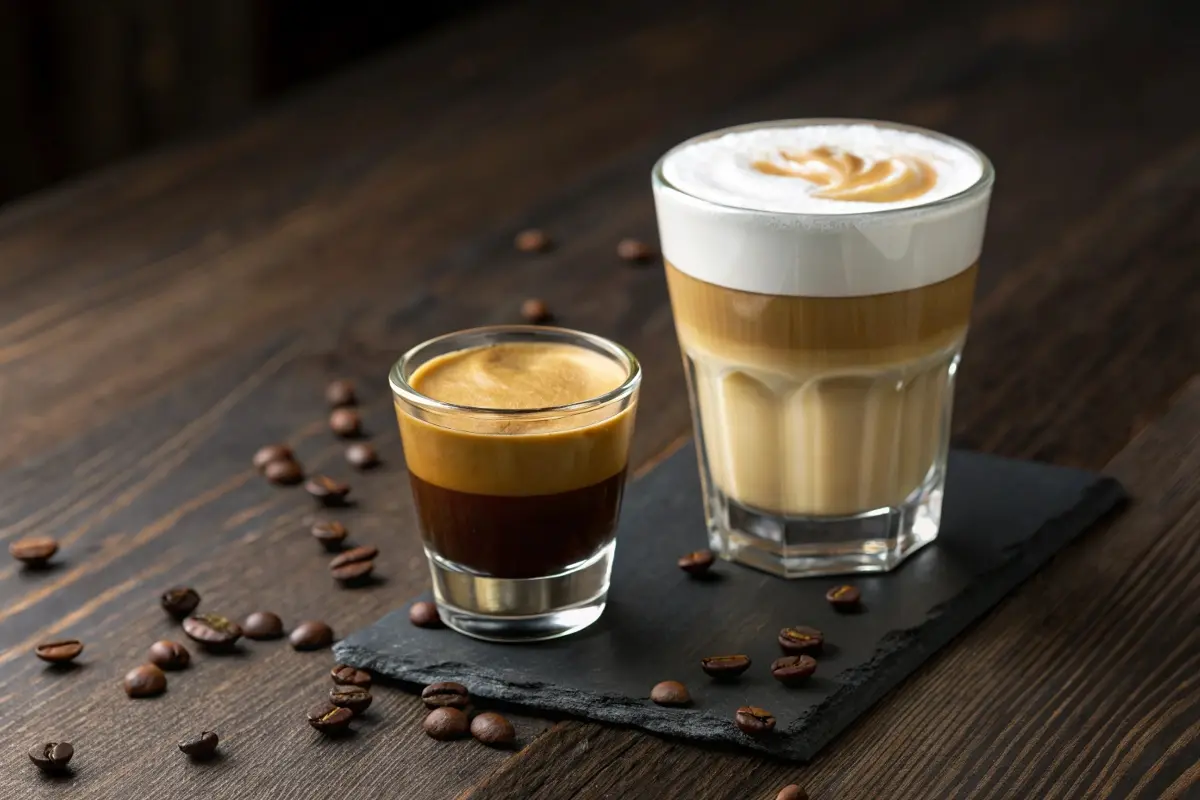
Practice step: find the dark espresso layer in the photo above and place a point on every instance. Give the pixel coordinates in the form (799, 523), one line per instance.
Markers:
(518, 537)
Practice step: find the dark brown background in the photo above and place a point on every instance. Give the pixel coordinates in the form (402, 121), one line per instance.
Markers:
(161, 319)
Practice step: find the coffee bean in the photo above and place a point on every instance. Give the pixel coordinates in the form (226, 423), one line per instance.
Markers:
(725, 667)
(166, 654)
(362, 455)
(792, 792)
(272, 452)
(754, 721)
(446, 694)
(145, 680)
(444, 724)
(793, 670)
(326, 490)
(262, 625)
(801, 640)
(349, 676)
(424, 614)
(202, 747)
(180, 601)
(533, 241)
(212, 630)
(52, 756)
(330, 719)
(844, 598)
(364, 553)
(634, 250)
(493, 730)
(340, 393)
(284, 473)
(59, 652)
(353, 574)
(330, 534)
(697, 563)
(345, 422)
(534, 311)
(670, 693)
(311, 635)
(34, 551)
(355, 698)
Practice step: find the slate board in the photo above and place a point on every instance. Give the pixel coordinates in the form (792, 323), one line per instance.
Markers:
(1003, 520)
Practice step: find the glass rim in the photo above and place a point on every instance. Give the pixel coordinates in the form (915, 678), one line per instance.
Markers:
(980, 187)
(403, 389)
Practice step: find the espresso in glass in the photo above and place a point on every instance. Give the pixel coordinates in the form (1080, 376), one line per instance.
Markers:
(821, 274)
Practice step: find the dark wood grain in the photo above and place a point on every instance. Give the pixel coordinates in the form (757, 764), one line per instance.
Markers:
(161, 320)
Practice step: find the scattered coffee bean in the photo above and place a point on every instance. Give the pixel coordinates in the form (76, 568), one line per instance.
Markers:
(180, 601)
(262, 625)
(754, 721)
(34, 551)
(533, 241)
(166, 654)
(697, 563)
(345, 422)
(353, 574)
(202, 747)
(670, 693)
(145, 680)
(792, 792)
(349, 676)
(330, 719)
(272, 452)
(535, 311)
(51, 757)
(493, 730)
(340, 393)
(330, 534)
(362, 455)
(326, 490)
(364, 553)
(446, 694)
(212, 630)
(844, 598)
(311, 634)
(59, 652)
(793, 670)
(355, 698)
(634, 250)
(801, 640)
(444, 724)
(725, 667)
(284, 473)
(424, 614)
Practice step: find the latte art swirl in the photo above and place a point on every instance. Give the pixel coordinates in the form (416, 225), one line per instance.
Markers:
(845, 176)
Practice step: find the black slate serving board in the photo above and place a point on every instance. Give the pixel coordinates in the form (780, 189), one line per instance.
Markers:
(1003, 519)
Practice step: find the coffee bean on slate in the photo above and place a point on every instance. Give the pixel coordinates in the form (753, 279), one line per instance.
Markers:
(533, 241)
(345, 422)
(534, 311)
(59, 652)
(201, 747)
(725, 667)
(212, 630)
(330, 534)
(801, 640)
(670, 693)
(697, 563)
(344, 675)
(793, 670)
(33, 551)
(493, 730)
(166, 654)
(326, 490)
(284, 473)
(424, 614)
(446, 694)
(52, 756)
(754, 720)
(362, 455)
(330, 719)
(262, 625)
(271, 452)
(311, 634)
(355, 698)
(634, 250)
(444, 724)
(364, 553)
(340, 393)
(792, 792)
(844, 597)
(145, 680)
(180, 601)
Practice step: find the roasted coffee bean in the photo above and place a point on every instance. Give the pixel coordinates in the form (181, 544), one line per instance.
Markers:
(493, 730)
(725, 667)
(353, 574)
(365, 553)
(362, 455)
(349, 676)
(145, 680)
(326, 490)
(166, 654)
(793, 670)
(202, 747)
(355, 698)
(180, 601)
(52, 756)
(533, 241)
(311, 634)
(446, 694)
(424, 614)
(634, 250)
(272, 452)
(444, 724)
(801, 640)
(844, 597)
(792, 792)
(212, 630)
(754, 720)
(670, 693)
(34, 551)
(284, 473)
(345, 422)
(330, 534)
(59, 652)
(330, 719)
(262, 625)
(340, 393)
(697, 563)
(534, 311)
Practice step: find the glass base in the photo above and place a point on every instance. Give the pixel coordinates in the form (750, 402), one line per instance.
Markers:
(522, 609)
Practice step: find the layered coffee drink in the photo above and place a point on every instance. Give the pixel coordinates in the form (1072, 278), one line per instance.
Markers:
(821, 275)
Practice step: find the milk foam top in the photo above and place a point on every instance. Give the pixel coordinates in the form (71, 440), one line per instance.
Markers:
(822, 208)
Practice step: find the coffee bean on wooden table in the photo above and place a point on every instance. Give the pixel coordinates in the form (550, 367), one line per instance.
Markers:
(353, 574)
(801, 640)
(792, 792)
(311, 634)
(364, 553)
(51, 757)
(444, 724)
(793, 670)
(166, 654)
(284, 473)
(424, 614)
(262, 625)
(349, 676)
(145, 680)
(272, 452)
(355, 698)
(327, 491)
(754, 721)
(330, 534)
(33, 551)
(446, 694)
(212, 631)
(844, 597)
(634, 251)
(362, 455)
(534, 311)
(201, 747)
(533, 240)
(59, 652)
(180, 601)
(345, 422)
(340, 393)
(493, 730)
(670, 693)
(725, 667)
(330, 719)
(697, 563)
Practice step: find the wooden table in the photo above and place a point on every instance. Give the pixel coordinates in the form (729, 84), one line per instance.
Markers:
(161, 320)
